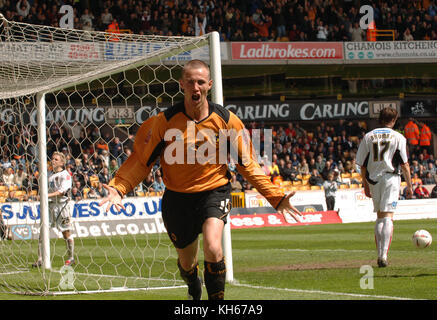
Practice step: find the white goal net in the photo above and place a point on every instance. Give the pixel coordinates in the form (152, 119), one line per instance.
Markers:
(84, 94)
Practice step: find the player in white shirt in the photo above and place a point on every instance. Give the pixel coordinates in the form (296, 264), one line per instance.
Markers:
(59, 183)
(382, 155)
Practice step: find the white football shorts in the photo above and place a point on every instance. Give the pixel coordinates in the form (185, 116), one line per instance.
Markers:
(60, 215)
(385, 193)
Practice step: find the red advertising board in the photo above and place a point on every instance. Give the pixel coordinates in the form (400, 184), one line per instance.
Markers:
(287, 50)
(276, 220)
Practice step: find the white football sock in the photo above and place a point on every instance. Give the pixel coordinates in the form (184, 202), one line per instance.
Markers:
(387, 233)
(378, 236)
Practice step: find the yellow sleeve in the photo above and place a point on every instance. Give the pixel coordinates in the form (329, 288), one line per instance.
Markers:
(248, 166)
(139, 164)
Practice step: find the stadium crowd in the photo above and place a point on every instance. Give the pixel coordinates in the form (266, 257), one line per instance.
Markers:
(300, 157)
(242, 20)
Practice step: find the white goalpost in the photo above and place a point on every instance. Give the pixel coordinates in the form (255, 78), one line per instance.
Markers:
(85, 94)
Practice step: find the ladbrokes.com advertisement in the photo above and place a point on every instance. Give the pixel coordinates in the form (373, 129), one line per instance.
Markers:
(287, 50)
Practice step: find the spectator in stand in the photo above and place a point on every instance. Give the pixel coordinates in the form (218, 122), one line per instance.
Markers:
(20, 178)
(200, 22)
(322, 31)
(421, 192)
(293, 34)
(113, 167)
(76, 195)
(101, 191)
(12, 197)
(106, 18)
(235, 184)
(287, 172)
(407, 35)
(104, 175)
(263, 28)
(303, 168)
(8, 177)
(280, 22)
(92, 194)
(357, 33)
(415, 179)
(87, 18)
(158, 184)
(320, 163)
(23, 8)
(148, 183)
(415, 167)
(315, 178)
(429, 178)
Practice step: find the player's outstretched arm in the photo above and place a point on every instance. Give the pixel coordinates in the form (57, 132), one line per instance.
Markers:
(285, 207)
(113, 198)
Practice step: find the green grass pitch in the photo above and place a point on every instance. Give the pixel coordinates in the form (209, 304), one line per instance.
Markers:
(318, 262)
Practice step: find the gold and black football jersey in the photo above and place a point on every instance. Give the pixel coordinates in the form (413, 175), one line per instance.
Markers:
(194, 154)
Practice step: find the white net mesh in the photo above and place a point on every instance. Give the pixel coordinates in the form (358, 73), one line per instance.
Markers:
(100, 88)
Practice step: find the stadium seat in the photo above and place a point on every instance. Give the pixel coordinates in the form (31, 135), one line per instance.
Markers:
(303, 188)
(315, 187)
(344, 186)
(238, 200)
(20, 194)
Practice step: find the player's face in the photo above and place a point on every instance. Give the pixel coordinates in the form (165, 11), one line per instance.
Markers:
(57, 162)
(196, 85)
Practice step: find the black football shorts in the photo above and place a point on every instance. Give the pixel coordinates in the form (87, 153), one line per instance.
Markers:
(184, 213)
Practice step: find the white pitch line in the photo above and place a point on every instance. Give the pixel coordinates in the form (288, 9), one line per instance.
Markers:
(115, 289)
(356, 295)
(12, 272)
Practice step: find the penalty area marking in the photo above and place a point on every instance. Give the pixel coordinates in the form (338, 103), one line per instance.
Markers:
(354, 295)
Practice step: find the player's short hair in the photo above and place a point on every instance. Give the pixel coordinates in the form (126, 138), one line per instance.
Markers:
(194, 64)
(61, 155)
(387, 115)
